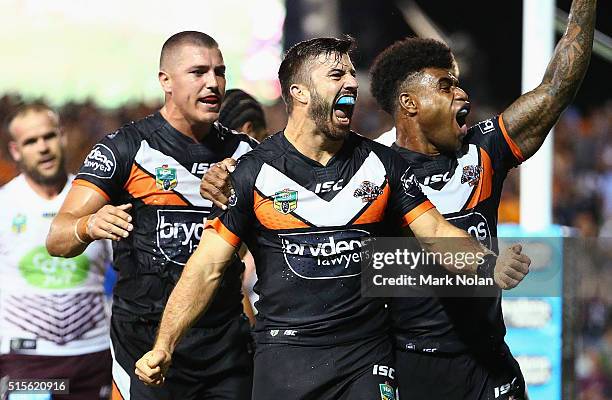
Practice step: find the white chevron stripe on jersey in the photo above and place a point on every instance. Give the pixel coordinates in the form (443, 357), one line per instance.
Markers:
(242, 148)
(188, 185)
(453, 196)
(319, 212)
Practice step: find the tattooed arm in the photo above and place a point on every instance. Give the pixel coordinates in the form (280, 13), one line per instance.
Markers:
(529, 119)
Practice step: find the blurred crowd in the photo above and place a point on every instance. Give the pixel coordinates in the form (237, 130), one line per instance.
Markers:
(582, 199)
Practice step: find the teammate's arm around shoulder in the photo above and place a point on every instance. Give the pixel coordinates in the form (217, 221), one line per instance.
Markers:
(191, 296)
(84, 217)
(438, 235)
(529, 119)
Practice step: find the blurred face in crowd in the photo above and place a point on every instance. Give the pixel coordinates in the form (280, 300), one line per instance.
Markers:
(194, 82)
(333, 91)
(442, 107)
(37, 145)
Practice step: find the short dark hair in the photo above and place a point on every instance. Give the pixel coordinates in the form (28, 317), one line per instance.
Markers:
(182, 38)
(292, 68)
(239, 107)
(394, 65)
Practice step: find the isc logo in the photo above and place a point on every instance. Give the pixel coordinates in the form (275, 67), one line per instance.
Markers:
(383, 370)
(436, 178)
(329, 186)
(199, 168)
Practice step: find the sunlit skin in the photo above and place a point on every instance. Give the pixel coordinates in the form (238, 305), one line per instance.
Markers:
(194, 84)
(428, 109)
(313, 126)
(37, 145)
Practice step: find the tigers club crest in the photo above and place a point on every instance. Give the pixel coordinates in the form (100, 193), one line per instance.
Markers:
(367, 191)
(471, 174)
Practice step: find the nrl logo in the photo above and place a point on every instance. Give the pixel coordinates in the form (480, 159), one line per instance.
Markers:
(386, 391)
(19, 223)
(285, 201)
(471, 174)
(165, 178)
(367, 191)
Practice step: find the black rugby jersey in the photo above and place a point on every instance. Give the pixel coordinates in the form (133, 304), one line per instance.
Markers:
(304, 223)
(158, 169)
(466, 189)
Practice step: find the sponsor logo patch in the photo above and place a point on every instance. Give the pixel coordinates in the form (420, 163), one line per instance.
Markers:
(178, 233)
(285, 201)
(165, 178)
(409, 182)
(367, 191)
(386, 392)
(41, 270)
(471, 174)
(486, 126)
(19, 223)
(325, 254)
(100, 162)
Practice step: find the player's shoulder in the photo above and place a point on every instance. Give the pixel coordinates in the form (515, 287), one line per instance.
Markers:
(134, 132)
(385, 153)
(13, 187)
(271, 148)
(231, 136)
(483, 132)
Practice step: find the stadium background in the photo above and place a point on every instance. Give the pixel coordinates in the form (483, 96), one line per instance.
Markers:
(97, 63)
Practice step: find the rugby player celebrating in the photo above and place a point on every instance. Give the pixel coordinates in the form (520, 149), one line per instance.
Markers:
(304, 199)
(451, 348)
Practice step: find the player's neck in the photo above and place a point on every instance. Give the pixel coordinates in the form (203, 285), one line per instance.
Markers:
(411, 137)
(47, 191)
(303, 134)
(196, 132)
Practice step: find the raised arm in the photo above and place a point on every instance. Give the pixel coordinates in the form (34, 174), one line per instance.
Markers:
(529, 119)
(189, 299)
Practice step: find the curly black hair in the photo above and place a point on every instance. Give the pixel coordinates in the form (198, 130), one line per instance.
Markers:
(404, 58)
(239, 107)
(299, 55)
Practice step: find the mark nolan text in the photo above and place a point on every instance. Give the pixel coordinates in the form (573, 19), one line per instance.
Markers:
(430, 280)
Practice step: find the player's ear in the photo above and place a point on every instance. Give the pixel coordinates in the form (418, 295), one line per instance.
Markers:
(247, 128)
(300, 93)
(408, 103)
(165, 81)
(12, 148)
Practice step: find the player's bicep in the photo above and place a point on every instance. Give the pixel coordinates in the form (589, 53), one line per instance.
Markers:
(529, 119)
(82, 200)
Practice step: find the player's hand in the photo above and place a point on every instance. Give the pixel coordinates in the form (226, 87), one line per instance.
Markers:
(216, 185)
(511, 267)
(110, 222)
(151, 368)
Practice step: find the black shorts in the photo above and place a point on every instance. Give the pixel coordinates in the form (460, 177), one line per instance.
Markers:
(459, 376)
(355, 371)
(89, 375)
(209, 363)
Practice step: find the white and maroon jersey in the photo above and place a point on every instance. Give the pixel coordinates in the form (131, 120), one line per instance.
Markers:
(48, 305)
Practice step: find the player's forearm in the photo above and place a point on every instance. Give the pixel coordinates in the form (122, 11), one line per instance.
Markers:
(450, 240)
(62, 240)
(529, 119)
(571, 57)
(189, 299)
